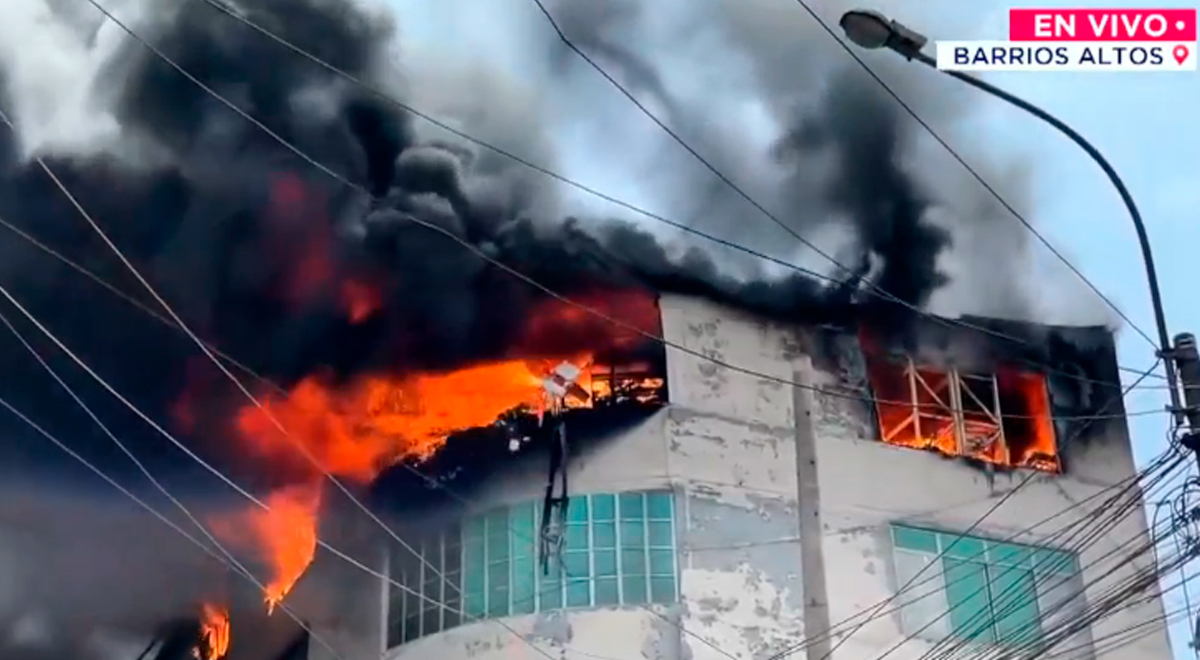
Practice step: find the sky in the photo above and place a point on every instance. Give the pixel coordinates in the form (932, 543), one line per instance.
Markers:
(1145, 124)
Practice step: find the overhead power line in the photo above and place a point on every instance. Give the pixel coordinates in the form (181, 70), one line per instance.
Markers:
(223, 556)
(75, 202)
(229, 482)
(391, 100)
(972, 171)
(158, 316)
(281, 391)
(831, 392)
(873, 613)
(872, 288)
(1081, 540)
(179, 322)
(909, 584)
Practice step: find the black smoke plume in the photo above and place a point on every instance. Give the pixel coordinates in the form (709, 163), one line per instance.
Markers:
(255, 247)
(252, 244)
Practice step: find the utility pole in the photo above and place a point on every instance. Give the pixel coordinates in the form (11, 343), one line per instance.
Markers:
(1187, 363)
(1181, 360)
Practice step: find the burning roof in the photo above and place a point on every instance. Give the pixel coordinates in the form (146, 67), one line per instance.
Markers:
(369, 338)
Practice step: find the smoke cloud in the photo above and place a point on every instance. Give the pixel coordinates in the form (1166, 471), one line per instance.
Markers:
(266, 257)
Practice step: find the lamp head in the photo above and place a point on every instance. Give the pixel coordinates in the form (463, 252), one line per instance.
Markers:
(873, 30)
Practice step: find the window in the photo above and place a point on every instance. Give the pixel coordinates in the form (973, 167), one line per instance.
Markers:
(980, 590)
(618, 549)
(1001, 418)
(409, 615)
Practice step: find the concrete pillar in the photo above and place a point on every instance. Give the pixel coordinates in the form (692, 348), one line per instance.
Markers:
(812, 554)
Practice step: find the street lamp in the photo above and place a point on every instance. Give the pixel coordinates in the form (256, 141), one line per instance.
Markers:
(872, 30)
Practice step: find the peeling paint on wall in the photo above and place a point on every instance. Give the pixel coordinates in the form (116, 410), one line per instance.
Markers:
(742, 589)
(620, 634)
(726, 445)
(743, 611)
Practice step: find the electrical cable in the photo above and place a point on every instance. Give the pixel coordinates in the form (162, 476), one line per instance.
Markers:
(774, 218)
(973, 172)
(383, 96)
(876, 612)
(949, 547)
(262, 379)
(1131, 507)
(1187, 598)
(113, 289)
(1100, 508)
(75, 455)
(229, 558)
(467, 245)
(1035, 473)
(212, 355)
(1127, 509)
(1108, 604)
(908, 601)
(1116, 415)
(1120, 638)
(1088, 417)
(1156, 570)
(988, 617)
(213, 470)
(193, 336)
(201, 344)
(235, 566)
(590, 310)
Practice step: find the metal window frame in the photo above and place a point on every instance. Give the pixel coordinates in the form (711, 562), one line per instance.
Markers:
(949, 396)
(437, 560)
(943, 540)
(671, 520)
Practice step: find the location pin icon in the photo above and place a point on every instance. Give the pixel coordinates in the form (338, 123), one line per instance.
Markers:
(1180, 53)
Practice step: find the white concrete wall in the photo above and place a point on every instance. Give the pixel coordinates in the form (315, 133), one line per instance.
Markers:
(866, 485)
(726, 447)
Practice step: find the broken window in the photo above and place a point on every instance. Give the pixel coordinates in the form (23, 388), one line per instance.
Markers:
(628, 382)
(1002, 418)
(612, 365)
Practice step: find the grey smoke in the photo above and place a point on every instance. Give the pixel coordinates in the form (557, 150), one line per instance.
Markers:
(187, 188)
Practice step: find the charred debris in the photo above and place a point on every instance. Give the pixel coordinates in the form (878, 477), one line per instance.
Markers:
(1017, 384)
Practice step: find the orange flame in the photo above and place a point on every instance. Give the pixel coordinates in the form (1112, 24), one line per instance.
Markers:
(1003, 419)
(214, 633)
(285, 535)
(356, 430)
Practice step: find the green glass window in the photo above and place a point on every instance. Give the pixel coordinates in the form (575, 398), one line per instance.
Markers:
(618, 549)
(981, 590)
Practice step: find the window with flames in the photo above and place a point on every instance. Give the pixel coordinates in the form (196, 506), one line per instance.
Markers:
(1001, 418)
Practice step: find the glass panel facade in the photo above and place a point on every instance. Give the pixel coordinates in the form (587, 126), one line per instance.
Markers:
(980, 590)
(618, 549)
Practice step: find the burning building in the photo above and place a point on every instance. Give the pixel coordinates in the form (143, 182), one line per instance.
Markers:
(588, 435)
(742, 512)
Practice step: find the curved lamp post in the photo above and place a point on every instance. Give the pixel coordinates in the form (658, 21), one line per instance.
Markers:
(872, 30)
